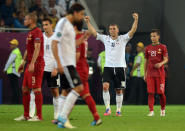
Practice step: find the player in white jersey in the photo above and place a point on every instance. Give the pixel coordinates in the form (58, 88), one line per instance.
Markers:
(64, 38)
(115, 63)
(50, 71)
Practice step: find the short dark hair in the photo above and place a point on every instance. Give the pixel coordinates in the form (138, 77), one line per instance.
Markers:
(156, 31)
(47, 19)
(79, 25)
(113, 24)
(76, 7)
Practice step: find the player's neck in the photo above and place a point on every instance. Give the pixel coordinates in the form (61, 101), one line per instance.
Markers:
(114, 37)
(70, 18)
(49, 33)
(32, 26)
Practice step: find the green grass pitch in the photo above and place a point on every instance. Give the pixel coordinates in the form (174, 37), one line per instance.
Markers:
(134, 119)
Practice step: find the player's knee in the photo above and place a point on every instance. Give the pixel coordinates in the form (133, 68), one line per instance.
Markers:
(85, 96)
(106, 86)
(79, 89)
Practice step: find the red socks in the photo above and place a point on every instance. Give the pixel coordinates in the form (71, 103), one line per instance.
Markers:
(92, 107)
(38, 103)
(163, 101)
(151, 101)
(26, 103)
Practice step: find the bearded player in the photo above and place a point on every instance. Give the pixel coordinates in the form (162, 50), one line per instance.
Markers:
(156, 55)
(34, 69)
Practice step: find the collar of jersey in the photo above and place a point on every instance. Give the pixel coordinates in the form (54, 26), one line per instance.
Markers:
(33, 28)
(156, 44)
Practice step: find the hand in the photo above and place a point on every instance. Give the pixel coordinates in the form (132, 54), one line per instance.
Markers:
(87, 19)
(31, 67)
(54, 72)
(135, 16)
(21, 68)
(131, 73)
(158, 65)
(145, 76)
(60, 69)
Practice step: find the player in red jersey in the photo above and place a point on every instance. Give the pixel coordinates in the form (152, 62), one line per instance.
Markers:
(156, 55)
(83, 70)
(34, 70)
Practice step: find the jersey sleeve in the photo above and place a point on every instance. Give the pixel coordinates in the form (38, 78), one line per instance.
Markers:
(58, 32)
(100, 37)
(37, 37)
(165, 52)
(146, 53)
(125, 38)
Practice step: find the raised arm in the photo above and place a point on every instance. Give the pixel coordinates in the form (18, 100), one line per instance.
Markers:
(134, 26)
(90, 27)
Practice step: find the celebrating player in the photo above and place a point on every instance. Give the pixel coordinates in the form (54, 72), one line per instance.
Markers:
(115, 64)
(64, 38)
(34, 69)
(83, 70)
(156, 55)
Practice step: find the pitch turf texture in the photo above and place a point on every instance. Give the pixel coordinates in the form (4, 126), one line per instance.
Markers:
(134, 119)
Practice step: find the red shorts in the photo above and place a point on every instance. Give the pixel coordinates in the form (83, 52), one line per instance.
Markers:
(33, 80)
(86, 88)
(156, 85)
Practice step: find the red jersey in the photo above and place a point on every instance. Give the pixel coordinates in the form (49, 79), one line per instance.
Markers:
(82, 65)
(34, 36)
(154, 54)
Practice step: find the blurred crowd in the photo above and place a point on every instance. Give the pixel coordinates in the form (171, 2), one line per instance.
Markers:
(12, 12)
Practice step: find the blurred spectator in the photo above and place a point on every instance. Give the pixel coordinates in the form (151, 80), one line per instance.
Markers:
(2, 25)
(40, 19)
(53, 17)
(52, 5)
(66, 4)
(38, 8)
(22, 7)
(138, 85)
(7, 12)
(19, 20)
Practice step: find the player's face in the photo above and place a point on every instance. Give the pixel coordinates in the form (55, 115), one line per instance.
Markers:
(79, 16)
(27, 21)
(113, 30)
(46, 26)
(154, 37)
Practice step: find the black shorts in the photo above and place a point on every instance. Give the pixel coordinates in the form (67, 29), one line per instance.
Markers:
(52, 82)
(116, 75)
(70, 78)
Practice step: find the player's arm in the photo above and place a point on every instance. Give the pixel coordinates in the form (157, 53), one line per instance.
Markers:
(35, 55)
(90, 27)
(145, 69)
(82, 38)
(165, 60)
(77, 56)
(134, 26)
(54, 46)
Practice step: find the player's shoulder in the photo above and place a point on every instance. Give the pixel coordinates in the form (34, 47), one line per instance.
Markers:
(163, 45)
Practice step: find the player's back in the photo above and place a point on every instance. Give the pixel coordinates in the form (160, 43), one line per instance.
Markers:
(65, 34)
(34, 36)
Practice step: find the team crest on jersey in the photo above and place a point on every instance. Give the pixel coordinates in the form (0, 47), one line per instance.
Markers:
(59, 34)
(113, 44)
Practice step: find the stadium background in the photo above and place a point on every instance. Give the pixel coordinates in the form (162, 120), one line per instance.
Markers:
(166, 15)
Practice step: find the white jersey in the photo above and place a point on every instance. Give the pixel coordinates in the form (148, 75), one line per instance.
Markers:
(48, 54)
(114, 50)
(65, 35)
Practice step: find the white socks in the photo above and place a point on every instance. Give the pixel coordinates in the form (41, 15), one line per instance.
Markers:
(56, 104)
(70, 101)
(32, 104)
(62, 100)
(106, 99)
(119, 101)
